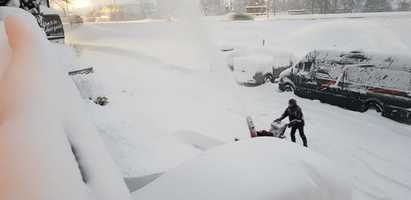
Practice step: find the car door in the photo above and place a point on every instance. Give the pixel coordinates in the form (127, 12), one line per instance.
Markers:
(302, 79)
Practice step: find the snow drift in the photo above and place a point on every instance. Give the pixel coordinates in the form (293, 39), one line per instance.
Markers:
(48, 150)
(258, 169)
(141, 85)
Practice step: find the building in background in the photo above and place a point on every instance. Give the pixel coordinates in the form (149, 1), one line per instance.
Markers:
(117, 12)
(257, 7)
(149, 7)
(214, 7)
(238, 5)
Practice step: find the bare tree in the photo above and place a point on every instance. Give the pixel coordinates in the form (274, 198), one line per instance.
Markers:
(404, 5)
(377, 6)
(239, 5)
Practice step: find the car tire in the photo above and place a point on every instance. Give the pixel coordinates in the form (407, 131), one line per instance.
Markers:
(268, 78)
(373, 105)
(289, 88)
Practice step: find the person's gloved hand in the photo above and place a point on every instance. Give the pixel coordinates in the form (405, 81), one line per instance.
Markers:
(277, 120)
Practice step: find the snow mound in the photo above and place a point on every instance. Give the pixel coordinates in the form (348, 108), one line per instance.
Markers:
(198, 140)
(258, 169)
(48, 148)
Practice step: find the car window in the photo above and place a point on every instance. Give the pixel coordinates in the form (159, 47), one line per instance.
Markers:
(322, 74)
(307, 66)
(357, 57)
(369, 75)
(300, 66)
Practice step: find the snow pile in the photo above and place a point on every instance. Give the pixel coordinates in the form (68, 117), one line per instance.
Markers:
(164, 92)
(48, 149)
(156, 108)
(258, 169)
(153, 99)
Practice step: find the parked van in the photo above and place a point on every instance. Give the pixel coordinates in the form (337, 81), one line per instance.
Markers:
(354, 80)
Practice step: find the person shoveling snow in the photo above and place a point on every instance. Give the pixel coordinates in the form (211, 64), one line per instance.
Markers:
(296, 117)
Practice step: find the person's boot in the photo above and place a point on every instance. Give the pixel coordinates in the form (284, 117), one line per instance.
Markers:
(305, 142)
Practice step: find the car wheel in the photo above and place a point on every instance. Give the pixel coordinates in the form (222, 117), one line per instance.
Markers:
(376, 106)
(289, 88)
(268, 78)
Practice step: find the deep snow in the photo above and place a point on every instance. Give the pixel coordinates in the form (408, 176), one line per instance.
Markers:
(159, 87)
(263, 168)
(49, 148)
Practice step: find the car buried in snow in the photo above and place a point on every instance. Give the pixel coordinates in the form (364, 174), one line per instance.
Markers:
(354, 80)
(254, 67)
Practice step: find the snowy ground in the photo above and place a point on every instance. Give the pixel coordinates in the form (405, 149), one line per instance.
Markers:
(164, 100)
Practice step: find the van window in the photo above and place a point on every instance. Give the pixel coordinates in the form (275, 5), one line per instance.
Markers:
(358, 57)
(307, 66)
(323, 74)
(379, 77)
(300, 66)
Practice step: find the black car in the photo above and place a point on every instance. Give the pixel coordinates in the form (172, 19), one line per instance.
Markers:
(354, 80)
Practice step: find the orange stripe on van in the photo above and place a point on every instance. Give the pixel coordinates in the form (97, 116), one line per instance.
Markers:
(385, 91)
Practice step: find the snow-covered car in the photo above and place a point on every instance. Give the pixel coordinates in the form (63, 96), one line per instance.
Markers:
(284, 81)
(258, 66)
(354, 80)
(239, 16)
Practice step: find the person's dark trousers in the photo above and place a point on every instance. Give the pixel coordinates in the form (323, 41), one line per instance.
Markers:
(302, 135)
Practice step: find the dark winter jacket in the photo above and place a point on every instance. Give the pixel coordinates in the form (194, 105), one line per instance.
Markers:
(295, 115)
